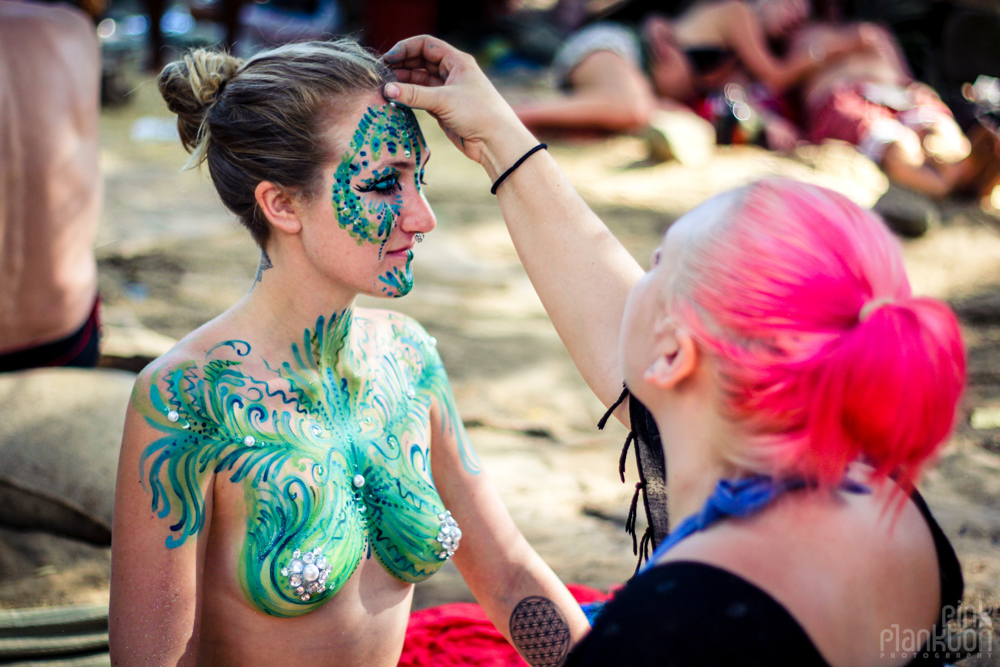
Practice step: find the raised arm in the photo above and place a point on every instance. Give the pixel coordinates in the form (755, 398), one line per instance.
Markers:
(519, 593)
(155, 605)
(579, 269)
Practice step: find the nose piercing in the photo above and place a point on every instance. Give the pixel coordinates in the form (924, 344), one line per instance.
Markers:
(418, 237)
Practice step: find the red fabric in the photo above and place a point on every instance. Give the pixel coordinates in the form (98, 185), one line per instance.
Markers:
(459, 634)
(846, 115)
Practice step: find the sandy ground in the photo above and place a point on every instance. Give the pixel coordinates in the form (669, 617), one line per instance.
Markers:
(171, 258)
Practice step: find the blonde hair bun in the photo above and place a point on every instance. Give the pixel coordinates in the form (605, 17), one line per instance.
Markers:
(190, 86)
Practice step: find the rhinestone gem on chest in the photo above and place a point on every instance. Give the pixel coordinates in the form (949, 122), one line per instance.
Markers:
(307, 573)
(449, 535)
(173, 417)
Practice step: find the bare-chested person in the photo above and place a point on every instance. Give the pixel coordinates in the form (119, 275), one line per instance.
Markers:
(870, 99)
(50, 186)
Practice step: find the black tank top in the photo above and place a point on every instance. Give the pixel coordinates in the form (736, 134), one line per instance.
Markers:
(687, 613)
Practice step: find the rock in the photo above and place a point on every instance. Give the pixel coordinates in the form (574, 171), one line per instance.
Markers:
(850, 173)
(74, 635)
(39, 569)
(60, 434)
(980, 309)
(681, 136)
(909, 214)
(985, 418)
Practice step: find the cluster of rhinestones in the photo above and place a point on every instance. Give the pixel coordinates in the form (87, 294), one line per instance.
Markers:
(449, 536)
(307, 573)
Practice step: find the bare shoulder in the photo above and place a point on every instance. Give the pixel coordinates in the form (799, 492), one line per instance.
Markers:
(146, 390)
(185, 358)
(190, 349)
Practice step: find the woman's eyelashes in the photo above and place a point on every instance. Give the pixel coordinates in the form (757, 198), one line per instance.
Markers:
(386, 182)
(382, 182)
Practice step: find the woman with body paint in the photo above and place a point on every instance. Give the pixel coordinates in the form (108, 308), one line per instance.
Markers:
(290, 469)
(798, 389)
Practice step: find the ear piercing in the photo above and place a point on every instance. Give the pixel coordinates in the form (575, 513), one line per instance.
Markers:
(418, 237)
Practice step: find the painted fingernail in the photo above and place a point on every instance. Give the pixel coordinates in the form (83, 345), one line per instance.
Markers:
(391, 54)
(391, 91)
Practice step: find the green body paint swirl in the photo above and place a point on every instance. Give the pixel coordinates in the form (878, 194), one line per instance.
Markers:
(338, 463)
(369, 210)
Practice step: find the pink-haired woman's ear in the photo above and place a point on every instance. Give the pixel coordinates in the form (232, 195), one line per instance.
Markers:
(676, 365)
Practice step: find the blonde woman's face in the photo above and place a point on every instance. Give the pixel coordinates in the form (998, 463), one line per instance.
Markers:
(363, 225)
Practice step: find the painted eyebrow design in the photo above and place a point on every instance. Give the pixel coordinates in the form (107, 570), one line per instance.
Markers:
(400, 164)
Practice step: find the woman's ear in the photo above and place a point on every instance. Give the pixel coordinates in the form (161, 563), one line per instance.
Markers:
(278, 206)
(676, 361)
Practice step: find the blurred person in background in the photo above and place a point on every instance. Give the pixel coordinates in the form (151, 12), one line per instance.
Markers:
(618, 74)
(50, 186)
(870, 99)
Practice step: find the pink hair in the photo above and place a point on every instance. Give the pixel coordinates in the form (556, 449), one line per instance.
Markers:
(776, 290)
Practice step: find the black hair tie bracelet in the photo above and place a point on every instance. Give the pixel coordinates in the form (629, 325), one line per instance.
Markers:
(517, 164)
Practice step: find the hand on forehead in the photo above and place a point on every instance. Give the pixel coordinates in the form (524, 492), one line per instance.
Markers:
(385, 130)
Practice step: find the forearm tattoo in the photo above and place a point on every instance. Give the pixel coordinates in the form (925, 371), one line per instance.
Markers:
(539, 631)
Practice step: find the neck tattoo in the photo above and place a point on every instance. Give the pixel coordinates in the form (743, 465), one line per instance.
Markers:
(265, 264)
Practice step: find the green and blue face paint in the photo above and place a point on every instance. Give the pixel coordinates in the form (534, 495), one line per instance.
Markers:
(368, 207)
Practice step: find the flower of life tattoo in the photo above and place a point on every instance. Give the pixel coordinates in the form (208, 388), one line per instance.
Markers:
(540, 631)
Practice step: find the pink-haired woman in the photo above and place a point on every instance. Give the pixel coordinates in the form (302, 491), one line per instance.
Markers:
(798, 386)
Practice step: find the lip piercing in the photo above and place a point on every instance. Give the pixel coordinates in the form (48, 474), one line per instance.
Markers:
(418, 237)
